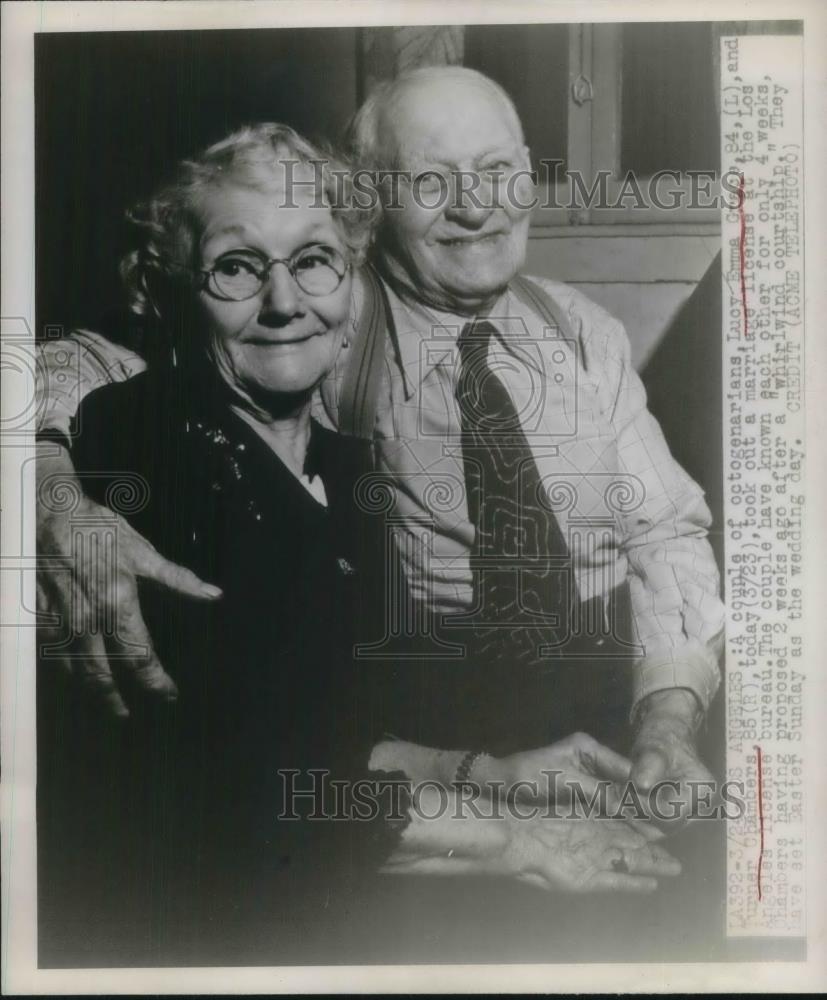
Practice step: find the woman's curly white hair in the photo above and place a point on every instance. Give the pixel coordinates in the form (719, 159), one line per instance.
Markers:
(165, 225)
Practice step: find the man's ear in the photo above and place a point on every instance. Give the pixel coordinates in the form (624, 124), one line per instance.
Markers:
(525, 154)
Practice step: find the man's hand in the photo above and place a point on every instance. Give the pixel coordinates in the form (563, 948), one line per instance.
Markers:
(575, 764)
(88, 587)
(665, 748)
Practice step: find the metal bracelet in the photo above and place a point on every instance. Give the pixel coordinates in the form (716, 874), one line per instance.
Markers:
(464, 770)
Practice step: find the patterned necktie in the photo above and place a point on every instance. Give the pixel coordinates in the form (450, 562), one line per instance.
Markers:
(521, 563)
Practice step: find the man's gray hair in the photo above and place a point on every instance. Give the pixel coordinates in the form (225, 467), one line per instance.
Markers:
(369, 148)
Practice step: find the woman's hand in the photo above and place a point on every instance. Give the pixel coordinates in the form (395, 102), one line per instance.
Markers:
(527, 774)
(584, 855)
(577, 768)
(449, 836)
(572, 768)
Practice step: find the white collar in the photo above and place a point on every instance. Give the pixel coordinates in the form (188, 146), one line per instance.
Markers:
(427, 337)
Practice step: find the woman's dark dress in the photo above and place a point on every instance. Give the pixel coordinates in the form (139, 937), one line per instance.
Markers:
(159, 841)
(160, 836)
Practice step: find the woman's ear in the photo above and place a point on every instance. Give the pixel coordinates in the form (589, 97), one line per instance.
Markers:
(155, 287)
(169, 301)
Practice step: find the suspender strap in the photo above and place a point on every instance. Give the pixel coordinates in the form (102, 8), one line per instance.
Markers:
(363, 376)
(533, 295)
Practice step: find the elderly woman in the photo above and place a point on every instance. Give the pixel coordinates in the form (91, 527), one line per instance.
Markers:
(246, 268)
(186, 833)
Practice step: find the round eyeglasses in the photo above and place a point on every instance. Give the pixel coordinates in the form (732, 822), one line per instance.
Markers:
(241, 274)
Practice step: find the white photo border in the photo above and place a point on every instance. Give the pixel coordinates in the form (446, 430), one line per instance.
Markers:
(19, 973)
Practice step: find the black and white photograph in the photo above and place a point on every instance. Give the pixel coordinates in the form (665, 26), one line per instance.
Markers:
(411, 497)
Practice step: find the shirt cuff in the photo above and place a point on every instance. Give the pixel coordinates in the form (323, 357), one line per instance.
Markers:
(53, 435)
(695, 669)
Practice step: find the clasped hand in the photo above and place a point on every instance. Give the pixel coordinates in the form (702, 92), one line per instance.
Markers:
(580, 769)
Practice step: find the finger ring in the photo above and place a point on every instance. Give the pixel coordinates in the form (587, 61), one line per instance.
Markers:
(619, 865)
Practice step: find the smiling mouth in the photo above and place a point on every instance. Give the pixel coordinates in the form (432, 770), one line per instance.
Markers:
(464, 241)
(268, 342)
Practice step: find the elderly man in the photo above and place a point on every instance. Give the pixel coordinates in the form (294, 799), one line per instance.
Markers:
(455, 334)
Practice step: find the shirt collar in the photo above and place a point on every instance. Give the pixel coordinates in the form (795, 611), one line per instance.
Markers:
(427, 337)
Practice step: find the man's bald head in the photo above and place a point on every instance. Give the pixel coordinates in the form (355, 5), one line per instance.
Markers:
(377, 126)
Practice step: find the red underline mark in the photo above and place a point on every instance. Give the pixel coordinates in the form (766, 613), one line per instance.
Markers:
(760, 770)
(742, 251)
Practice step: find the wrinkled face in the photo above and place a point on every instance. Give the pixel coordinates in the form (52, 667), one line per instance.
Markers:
(281, 340)
(456, 251)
